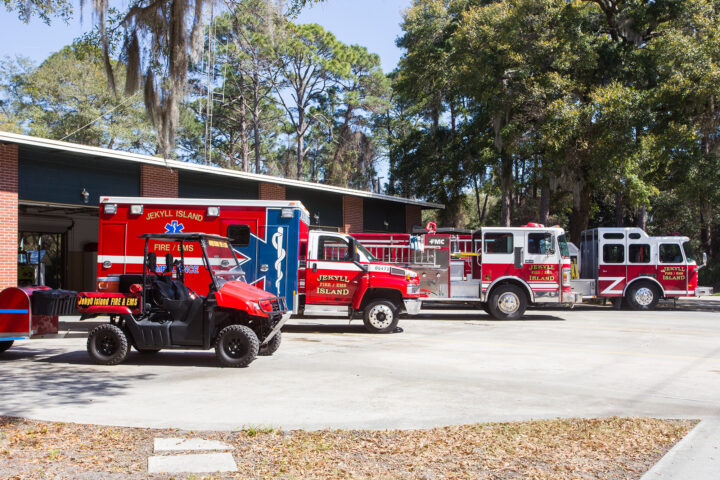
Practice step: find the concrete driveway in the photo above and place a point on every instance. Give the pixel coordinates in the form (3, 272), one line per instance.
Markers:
(449, 369)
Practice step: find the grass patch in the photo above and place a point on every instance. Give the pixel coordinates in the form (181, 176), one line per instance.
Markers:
(606, 448)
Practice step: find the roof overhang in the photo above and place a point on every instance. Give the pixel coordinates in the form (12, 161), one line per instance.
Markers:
(8, 137)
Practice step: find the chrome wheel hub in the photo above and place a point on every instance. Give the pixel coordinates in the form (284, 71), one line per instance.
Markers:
(508, 303)
(644, 296)
(381, 316)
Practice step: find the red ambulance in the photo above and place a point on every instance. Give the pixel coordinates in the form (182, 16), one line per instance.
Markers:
(317, 272)
(502, 270)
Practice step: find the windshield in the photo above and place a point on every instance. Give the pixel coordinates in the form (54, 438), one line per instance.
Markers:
(563, 244)
(224, 265)
(689, 254)
(363, 251)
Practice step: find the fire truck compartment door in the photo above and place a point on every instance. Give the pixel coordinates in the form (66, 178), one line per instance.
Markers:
(331, 276)
(111, 260)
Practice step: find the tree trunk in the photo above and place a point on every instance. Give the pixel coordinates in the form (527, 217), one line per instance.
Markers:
(506, 185)
(619, 209)
(256, 121)
(477, 195)
(580, 214)
(544, 212)
(706, 227)
(642, 215)
(484, 209)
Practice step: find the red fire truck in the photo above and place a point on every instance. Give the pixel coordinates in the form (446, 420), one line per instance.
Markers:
(317, 272)
(627, 264)
(502, 270)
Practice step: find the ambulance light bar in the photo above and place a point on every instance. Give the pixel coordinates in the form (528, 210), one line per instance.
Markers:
(110, 208)
(213, 211)
(136, 209)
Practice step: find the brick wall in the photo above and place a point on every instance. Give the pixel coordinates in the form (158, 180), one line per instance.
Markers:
(413, 216)
(352, 214)
(8, 215)
(158, 181)
(271, 191)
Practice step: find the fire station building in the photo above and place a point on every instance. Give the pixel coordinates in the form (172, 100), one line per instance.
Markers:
(49, 193)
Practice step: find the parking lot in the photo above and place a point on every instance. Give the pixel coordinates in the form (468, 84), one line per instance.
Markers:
(446, 369)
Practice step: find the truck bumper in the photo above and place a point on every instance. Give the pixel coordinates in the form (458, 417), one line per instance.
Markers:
(571, 297)
(412, 306)
(285, 317)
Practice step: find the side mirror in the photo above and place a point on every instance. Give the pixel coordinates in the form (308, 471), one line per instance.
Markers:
(704, 261)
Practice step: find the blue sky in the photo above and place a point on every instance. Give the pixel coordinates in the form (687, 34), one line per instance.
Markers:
(374, 24)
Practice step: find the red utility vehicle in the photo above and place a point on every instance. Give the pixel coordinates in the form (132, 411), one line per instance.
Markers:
(317, 272)
(158, 310)
(627, 264)
(502, 270)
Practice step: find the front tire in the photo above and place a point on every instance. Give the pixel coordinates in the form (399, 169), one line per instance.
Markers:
(107, 345)
(5, 345)
(507, 302)
(642, 296)
(272, 346)
(236, 346)
(380, 316)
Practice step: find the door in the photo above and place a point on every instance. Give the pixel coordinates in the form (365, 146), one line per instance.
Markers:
(331, 277)
(542, 263)
(612, 265)
(672, 269)
(111, 260)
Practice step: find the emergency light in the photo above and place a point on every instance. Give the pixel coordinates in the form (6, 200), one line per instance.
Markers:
(213, 211)
(136, 209)
(110, 208)
(286, 213)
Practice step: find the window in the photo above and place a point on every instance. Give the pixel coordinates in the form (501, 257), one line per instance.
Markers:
(539, 243)
(639, 253)
(239, 235)
(613, 253)
(634, 236)
(689, 253)
(613, 236)
(498, 242)
(670, 253)
(334, 249)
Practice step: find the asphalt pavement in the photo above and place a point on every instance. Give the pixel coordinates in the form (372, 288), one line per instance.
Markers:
(443, 369)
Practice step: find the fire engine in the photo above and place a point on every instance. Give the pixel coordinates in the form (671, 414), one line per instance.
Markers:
(502, 270)
(317, 272)
(158, 310)
(628, 265)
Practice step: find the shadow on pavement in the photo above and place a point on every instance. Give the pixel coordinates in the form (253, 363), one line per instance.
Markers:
(29, 386)
(339, 327)
(165, 358)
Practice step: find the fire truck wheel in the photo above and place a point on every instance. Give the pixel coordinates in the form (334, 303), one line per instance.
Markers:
(507, 302)
(380, 316)
(236, 346)
(107, 345)
(5, 345)
(642, 296)
(272, 345)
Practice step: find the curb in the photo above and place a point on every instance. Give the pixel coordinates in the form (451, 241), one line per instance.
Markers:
(696, 457)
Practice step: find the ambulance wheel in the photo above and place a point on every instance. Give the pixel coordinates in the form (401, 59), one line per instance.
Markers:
(272, 346)
(5, 345)
(642, 296)
(107, 345)
(236, 346)
(380, 316)
(507, 302)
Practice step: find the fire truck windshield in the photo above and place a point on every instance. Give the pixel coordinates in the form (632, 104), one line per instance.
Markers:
(689, 254)
(562, 243)
(223, 262)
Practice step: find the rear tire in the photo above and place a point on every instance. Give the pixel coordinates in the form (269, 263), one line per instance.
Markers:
(507, 302)
(272, 345)
(5, 345)
(642, 296)
(236, 346)
(107, 345)
(380, 316)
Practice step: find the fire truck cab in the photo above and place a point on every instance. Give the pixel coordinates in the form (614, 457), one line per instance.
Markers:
(500, 269)
(627, 264)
